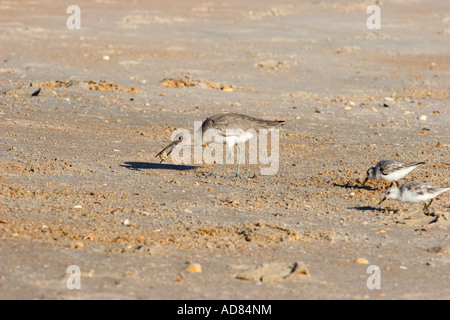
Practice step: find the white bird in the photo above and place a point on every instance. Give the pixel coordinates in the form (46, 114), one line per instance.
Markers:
(415, 192)
(390, 171)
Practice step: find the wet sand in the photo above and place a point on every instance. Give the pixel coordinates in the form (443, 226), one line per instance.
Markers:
(80, 184)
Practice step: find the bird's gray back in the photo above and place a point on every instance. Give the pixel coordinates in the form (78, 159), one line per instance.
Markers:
(234, 121)
(422, 188)
(389, 166)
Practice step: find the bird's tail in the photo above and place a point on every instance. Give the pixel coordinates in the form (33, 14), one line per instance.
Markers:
(440, 189)
(415, 164)
(276, 123)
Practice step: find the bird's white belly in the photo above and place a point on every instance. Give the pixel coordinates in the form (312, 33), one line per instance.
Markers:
(239, 137)
(397, 175)
(414, 197)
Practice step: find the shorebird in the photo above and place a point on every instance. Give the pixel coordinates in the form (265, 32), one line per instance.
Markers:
(415, 192)
(233, 128)
(390, 171)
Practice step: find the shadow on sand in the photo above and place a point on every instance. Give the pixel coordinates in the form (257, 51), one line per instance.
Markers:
(349, 186)
(370, 208)
(155, 166)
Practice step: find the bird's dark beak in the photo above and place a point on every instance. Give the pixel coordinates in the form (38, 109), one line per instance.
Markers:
(384, 199)
(163, 156)
(365, 180)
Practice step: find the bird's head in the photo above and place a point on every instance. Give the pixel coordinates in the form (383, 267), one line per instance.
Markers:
(391, 193)
(370, 174)
(164, 153)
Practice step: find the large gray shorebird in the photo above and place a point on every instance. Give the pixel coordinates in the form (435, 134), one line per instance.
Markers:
(233, 128)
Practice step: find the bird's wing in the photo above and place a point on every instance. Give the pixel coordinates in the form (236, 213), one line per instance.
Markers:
(231, 133)
(389, 166)
(242, 123)
(419, 188)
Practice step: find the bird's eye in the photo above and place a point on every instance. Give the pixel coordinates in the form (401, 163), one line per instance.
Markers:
(180, 138)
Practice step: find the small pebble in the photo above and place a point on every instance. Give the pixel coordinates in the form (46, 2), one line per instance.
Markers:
(106, 58)
(227, 88)
(126, 222)
(194, 267)
(77, 207)
(423, 118)
(362, 261)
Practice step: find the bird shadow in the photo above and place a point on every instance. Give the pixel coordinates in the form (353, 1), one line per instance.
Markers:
(349, 186)
(370, 208)
(138, 166)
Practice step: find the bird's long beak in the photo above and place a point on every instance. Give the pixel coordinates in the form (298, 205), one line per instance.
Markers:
(384, 199)
(163, 155)
(365, 180)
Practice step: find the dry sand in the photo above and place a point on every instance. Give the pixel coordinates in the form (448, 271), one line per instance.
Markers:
(79, 183)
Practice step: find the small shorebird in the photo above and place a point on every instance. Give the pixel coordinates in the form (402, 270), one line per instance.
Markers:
(390, 171)
(415, 192)
(233, 128)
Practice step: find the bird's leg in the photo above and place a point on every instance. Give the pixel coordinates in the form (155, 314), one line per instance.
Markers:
(425, 209)
(239, 161)
(365, 180)
(220, 167)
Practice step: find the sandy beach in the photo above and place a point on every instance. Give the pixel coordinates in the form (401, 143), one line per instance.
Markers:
(83, 112)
